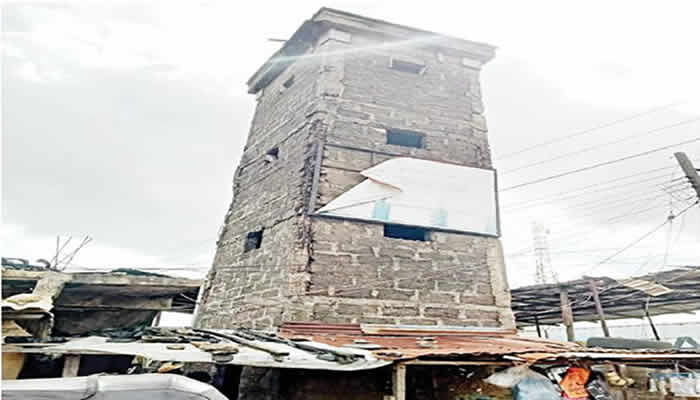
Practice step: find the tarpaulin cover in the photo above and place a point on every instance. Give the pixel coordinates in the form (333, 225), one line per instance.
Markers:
(422, 193)
(115, 387)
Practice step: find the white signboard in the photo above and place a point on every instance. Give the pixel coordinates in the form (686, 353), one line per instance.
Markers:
(423, 193)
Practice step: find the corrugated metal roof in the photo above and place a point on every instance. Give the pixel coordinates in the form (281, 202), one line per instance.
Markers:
(180, 345)
(666, 292)
(396, 343)
(346, 347)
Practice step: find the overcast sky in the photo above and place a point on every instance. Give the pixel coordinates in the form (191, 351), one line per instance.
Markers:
(125, 121)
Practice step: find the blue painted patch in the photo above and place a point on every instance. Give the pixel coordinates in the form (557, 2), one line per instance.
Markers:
(381, 210)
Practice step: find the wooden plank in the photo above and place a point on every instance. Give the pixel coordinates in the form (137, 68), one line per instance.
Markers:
(399, 381)
(71, 364)
(690, 172)
(566, 315)
(599, 308)
(318, 159)
(447, 363)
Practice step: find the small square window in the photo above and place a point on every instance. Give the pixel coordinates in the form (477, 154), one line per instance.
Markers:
(253, 240)
(406, 66)
(406, 232)
(406, 138)
(272, 155)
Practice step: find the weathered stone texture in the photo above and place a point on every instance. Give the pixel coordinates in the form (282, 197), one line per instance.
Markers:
(338, 108)
(246, 288)
(442, 281)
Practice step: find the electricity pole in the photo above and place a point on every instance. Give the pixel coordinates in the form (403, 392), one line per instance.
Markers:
(690, 171)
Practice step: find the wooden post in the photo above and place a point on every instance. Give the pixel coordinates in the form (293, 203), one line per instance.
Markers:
(651, 322)
(690, 172)
(399, 382)
(71, 364)
(599, 308)
(537, 324)
(156, 320)
(567, 315)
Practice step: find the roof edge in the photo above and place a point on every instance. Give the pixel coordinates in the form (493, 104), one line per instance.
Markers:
(325, 18)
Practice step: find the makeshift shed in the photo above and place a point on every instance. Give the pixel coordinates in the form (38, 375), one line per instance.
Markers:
(599, 298)
(340, 361)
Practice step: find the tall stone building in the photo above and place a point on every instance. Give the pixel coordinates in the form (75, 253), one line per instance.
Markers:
(343, 94)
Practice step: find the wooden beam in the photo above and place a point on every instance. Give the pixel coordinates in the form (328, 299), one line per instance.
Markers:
(599, 308)
(447, 363)
(316, 179)
(566, 315)
(71, 364)
(690, 172)
(651, 321)
(537, 324)
(399, 381)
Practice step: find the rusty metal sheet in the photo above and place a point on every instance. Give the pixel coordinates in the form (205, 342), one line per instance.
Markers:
(304, 328)
(441, 344)
(422, 330)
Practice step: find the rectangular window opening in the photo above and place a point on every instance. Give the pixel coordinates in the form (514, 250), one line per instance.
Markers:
(272, 155)
(406, 66)
(406, 232)
(289, 82)
(253, 240)
(406, 138)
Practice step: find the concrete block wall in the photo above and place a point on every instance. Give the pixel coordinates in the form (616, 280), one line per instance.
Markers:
(358, 275)
(443, 102)
(343, 98)
(248, 287)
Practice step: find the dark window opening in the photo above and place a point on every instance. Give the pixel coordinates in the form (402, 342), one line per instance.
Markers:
(289, 82)
(407, 66)
(253, 240)
(406, 232)
(402, 137)
(272, 154)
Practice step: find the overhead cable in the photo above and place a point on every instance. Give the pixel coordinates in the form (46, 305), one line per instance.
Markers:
(601, 164)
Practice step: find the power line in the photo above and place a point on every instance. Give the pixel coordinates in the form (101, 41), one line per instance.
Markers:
(646, 235)
(601, 164)
(526, 205)
(568, 235)
(600, 183)
(597, 146)
(590, 130)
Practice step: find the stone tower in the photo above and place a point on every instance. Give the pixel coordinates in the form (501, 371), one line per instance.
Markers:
(346, 93)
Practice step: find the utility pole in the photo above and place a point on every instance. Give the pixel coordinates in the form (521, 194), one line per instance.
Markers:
(690, 171)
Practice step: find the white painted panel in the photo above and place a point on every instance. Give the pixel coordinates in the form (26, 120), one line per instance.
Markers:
(423, 193)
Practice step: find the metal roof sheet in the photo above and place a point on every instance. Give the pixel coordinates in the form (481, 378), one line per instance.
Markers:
(666, 292)
(399, 343)
(256, 352)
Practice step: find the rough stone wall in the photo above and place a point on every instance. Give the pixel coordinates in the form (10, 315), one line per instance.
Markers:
(443, 102)
(357, 274)
(313, 268)
(248, 287)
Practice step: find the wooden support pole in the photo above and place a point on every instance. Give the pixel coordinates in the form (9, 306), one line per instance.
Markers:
(537, 324)
(599, 308)
(71, 364)
(690, 172)
(156, 319)
(399, 382)
(651, 322)
(567, 315)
